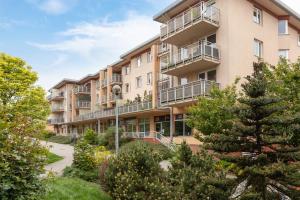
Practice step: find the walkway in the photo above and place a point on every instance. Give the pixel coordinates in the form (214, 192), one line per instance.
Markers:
(66, 151)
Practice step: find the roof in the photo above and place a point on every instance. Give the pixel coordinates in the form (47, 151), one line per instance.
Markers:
(168, 8)
(288, 9)
(140, 46)
(63, 82)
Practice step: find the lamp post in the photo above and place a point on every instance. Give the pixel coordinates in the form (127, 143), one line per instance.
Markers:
(116, 90)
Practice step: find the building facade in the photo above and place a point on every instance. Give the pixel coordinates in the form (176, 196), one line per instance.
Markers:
(201, 43)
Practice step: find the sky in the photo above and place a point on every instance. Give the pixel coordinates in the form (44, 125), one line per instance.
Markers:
(72, 38)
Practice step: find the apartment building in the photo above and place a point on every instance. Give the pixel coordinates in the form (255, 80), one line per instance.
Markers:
(201, 43)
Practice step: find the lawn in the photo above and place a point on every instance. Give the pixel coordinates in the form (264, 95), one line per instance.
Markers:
(52, 158)
(73, 189)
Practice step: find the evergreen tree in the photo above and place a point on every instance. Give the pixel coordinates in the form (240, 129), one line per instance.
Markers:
(263, 149)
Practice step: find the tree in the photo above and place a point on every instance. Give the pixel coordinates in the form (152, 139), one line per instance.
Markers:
(23, 112)
(211, 115)
(263, 150)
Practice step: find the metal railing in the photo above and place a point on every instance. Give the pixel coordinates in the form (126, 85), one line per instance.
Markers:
(57, 108)
(104, 83)
(163, 48)
(135, 107)
(56, 121)
(166, 141)
(83, 104)
(116, 78)
(199, 12)
(191, 53)
(189, 91)
(56, 95)
(82, 89)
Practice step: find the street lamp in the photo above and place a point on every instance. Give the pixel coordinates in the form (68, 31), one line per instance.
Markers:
(116, 90)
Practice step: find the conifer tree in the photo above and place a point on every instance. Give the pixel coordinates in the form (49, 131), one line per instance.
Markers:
(260, 142)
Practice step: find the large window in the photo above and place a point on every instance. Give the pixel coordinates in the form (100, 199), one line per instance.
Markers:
(144, 125)
(283, 53)
(127, 87)
(258, 48)
(149, 78)
(183, 81)
(149, 56)
(162, 124)
(257, 16)
(181, 128)
(127, 70)
(208, 75)
(130, 125)
(139, 82)
(139, 61)
(283, 27)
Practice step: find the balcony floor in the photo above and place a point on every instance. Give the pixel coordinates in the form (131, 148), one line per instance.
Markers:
(202, 63)
(191, 32)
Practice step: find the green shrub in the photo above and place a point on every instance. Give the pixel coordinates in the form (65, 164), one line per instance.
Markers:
(60, 139)
(136, 174)
(21, 163)
(90, 136)
(84, 156)
(47, 134)
(160, 151)
(108, 138)
(87, 175)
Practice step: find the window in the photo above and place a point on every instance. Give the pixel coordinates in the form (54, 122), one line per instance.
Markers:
(201, 76)
(139, 61)
(183, 81)
(139, 82)
(283, 53)
(257, 16)
(127, 70)
(126, 87)
(212, 75)
(258, 48)
(299, 40)
(144, 125)
(149, 57)
(149, 78)
(283, 27)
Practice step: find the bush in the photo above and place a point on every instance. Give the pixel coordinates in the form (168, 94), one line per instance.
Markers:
(90, 136)
(90, 175)
(84, 156)
(21, 163)
(46, 134)
(160, 151)
(136, 174)
(108, 138)
(60, 139)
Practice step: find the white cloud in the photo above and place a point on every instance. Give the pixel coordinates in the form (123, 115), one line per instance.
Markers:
(89, 46)
(54, 7)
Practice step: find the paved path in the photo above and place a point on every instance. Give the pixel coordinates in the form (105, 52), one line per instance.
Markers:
(64, 150)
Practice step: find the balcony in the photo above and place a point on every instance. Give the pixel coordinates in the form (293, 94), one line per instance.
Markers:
(163, 48)
(56, 96)
(186, 93)
(83, 105)
(200, 20)
(56, 121)
(104, 83)
(82, 90)
(115, 79)
(114, 98)
(195, 57)
(57, 108)
(126, 109)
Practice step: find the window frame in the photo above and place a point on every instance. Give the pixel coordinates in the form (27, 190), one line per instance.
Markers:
(258, 19)
(149, 57)
(149, 78)
(286, 56)
(260, 46)
(286, 26)
(127, 88)
(139, 61)
(137, 79)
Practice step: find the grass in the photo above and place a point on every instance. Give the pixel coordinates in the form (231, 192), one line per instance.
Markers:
(60, 139)
(73, 189)
(52, 158)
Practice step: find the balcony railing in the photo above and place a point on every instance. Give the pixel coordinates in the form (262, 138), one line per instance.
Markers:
(83, 104)
(199, 12)
(116, 79)
(104, 83)
(57, 108)
(163, 48)
(198, 51)
(82, 90)
(56, 95)
(56, 121)
(135, 107)
(186, 92)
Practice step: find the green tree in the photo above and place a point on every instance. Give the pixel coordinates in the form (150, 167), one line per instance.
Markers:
(23, 112)
(212, 115)
(269, 159)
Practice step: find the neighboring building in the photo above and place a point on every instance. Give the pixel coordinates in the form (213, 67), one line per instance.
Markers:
(201, 43)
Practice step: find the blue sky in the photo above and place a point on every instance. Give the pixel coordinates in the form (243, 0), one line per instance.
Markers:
(72, 38)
